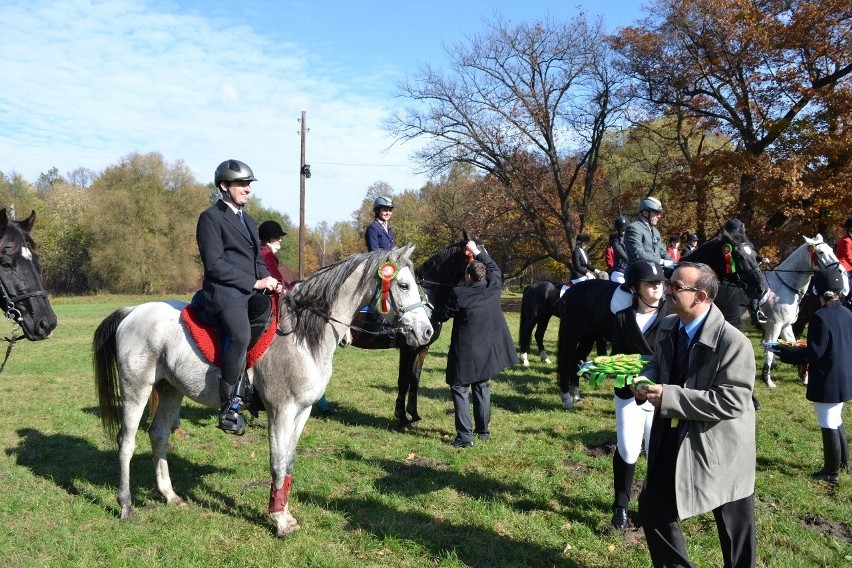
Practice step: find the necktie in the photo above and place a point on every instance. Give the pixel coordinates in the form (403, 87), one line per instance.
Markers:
(243, 221)
(682, 352)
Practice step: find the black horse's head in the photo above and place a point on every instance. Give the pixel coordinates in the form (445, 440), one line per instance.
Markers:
(733, 258)
(22, 296)
(444, 270)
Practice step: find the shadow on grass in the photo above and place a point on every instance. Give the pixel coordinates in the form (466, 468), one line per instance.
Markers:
(472, 545)
(71, 462)
(197, 415)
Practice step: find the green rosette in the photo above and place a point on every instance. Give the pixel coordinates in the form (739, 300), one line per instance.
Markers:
(623, 369)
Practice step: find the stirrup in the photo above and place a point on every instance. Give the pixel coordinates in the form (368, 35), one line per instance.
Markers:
(230, 420)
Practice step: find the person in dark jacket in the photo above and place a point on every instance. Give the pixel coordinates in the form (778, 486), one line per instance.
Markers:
(480, 346)
(581, 268)
(619, 250)
(829, 354)
(379, 234)
(233, 271)
(634, 331)
(691, 244)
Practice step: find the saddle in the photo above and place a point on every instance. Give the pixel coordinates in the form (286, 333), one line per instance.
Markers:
(211, 338)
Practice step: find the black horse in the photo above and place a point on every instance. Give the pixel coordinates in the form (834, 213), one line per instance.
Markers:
(437, 276)
(584, 310)
(22, 296)
(538, 305)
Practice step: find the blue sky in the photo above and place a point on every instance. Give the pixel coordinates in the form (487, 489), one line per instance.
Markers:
(87, 82)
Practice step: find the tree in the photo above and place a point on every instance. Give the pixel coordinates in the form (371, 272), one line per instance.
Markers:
(528, 105)
(140, 224)
(62, 240)
(759, 70)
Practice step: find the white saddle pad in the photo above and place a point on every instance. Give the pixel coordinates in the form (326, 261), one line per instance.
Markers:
(621, 299)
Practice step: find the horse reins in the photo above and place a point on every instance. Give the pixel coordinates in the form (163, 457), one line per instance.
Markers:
(814, 261)
(386, 329)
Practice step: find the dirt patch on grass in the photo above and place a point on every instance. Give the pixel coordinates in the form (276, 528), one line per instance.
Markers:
(598, 450)
(836, 529)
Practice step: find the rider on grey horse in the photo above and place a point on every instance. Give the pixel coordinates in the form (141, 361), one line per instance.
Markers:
(233, 270)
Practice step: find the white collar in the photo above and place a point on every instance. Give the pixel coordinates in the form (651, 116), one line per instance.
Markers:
(231, 206)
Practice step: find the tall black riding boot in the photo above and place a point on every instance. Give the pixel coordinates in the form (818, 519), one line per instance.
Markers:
(232, 398)
(622, 481)
(831, 456)
(844, 449)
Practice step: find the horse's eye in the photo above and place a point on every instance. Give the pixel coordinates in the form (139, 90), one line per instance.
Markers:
(404, 285)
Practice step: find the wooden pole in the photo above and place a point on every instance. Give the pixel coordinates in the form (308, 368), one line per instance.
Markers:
(302, 204)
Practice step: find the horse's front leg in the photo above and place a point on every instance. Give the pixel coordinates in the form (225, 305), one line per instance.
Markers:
(416, 369)
(285, 428)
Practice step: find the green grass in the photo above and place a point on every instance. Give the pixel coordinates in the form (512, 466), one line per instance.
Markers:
(538, 494)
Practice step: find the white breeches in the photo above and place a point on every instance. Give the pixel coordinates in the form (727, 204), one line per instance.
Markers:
(632, 426)
(829, 414)
(617, 276)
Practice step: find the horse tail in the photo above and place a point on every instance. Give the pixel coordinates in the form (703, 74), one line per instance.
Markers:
(105, 366)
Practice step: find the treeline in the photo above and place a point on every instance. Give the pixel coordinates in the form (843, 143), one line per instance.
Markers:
(534, 133)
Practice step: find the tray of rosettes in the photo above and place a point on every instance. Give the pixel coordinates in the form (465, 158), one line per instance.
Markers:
(783, 344)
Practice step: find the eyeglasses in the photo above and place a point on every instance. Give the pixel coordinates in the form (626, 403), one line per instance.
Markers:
(678, 287)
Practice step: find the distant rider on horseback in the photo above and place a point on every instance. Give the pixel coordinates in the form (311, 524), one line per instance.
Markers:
(642, 239)
(620, 259)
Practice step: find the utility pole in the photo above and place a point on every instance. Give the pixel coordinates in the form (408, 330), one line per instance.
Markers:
(304, 172)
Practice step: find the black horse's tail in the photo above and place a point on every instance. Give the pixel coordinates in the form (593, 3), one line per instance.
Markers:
(105, 366)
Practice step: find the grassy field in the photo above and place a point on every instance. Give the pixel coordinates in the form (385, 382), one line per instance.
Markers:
(538, 494)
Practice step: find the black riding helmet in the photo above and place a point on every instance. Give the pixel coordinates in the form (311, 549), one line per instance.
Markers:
(646, 270)
(848, 224)
(270, 230)
(827, 280)
(621, 222)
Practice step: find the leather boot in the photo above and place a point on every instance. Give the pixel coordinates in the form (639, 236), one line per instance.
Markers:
(231, 396)
(844, 449)
(622, 478)
(831, 456)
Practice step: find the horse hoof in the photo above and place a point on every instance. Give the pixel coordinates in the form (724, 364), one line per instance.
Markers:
(127, 514)
(770, 383)
(548, 361)
(414, 418)
(524, 360)
(567, 400)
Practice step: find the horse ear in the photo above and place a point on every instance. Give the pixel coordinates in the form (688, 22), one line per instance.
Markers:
(465, 236)
(27, 224)
(405, 252)
(4, 220)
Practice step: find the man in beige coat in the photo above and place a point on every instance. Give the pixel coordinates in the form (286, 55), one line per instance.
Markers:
(702, 450)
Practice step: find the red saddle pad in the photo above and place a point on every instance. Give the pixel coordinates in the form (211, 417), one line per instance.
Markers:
(208, 340)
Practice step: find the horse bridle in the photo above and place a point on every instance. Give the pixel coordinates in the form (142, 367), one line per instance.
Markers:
(14, 315)
(385, 329)
(819, 265)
